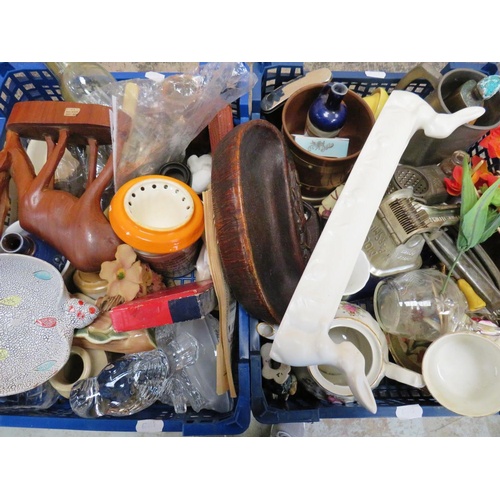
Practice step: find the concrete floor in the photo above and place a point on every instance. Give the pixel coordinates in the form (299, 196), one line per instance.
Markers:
(367, 427)
(376, 427)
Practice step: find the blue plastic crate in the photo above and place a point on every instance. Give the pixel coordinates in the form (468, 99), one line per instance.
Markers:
(303, 407)
(159, 417)
(32, 81)
(389, 395)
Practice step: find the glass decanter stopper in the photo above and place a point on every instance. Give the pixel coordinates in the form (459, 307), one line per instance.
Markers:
(455, 160)
(328, 112)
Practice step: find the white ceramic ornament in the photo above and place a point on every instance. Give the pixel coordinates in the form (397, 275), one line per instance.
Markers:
(201, 171)
(302, 338)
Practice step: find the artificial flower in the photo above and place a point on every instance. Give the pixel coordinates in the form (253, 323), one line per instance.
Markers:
(454, 185)
(151, 281)
(478, 219)
(492, 143)
(124, 275)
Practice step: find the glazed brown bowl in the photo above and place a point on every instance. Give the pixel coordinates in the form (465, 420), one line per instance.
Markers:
(264, 233)
(319, 175)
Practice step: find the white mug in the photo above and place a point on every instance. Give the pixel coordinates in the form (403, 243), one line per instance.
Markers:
(356, 325)
(462, 372)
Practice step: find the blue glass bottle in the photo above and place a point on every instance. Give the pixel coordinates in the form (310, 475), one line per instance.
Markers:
(328, 112)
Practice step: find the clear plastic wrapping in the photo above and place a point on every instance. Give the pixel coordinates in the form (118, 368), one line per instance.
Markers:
(168, 114)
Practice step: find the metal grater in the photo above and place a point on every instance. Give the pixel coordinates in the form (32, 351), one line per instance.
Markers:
(405, 217)
(427, 183)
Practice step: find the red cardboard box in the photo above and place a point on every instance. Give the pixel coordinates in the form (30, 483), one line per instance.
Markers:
(173, 305)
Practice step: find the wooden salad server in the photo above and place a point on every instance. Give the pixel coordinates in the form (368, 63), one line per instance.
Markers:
(303, 337)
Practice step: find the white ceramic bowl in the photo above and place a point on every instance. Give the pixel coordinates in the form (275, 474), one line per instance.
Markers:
(462, 372)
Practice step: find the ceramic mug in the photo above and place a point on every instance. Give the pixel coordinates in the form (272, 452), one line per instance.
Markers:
(462, 372)
(356, 325)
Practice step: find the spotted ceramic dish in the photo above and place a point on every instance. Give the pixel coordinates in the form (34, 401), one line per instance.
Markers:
(37, 320)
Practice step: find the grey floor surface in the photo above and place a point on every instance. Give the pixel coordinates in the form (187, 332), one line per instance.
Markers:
(455, 426)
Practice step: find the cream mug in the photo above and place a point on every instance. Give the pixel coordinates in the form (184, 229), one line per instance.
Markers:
(356, 325)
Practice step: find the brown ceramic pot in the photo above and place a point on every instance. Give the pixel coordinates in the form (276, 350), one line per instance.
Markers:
(319, 175)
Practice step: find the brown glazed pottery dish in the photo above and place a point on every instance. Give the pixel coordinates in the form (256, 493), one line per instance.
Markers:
(264, 236)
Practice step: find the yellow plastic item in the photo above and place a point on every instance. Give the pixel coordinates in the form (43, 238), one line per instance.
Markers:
(473, 300)
(376, 100)
(157, 214)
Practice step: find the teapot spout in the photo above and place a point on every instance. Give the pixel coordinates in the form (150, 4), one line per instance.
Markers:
(353, 366)
(344, 356)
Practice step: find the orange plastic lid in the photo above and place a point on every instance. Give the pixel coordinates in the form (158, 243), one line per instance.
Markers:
(156, 214)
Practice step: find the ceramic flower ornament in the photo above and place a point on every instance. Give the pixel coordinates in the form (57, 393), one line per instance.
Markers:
(124, 275)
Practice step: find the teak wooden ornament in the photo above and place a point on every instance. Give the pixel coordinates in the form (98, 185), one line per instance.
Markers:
(77, 227)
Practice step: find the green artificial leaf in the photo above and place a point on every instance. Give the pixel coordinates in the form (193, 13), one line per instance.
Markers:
(472, 227)
(495, 200)
(468, 195)
(473, 224)
(462, 243)
(492, 224)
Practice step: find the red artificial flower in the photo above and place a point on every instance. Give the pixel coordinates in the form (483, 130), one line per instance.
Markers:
(492, 143)
(488, 179)
(479, 169)
(454, 185)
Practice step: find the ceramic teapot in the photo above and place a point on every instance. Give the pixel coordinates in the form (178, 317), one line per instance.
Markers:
(356, 325)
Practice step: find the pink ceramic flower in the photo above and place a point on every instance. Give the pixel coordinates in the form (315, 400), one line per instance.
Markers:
(350, 308)
(124, 275)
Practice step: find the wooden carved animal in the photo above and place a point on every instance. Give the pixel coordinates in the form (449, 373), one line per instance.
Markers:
(77, 227)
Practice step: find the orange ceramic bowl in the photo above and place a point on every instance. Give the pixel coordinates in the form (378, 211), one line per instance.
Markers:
(157, 214)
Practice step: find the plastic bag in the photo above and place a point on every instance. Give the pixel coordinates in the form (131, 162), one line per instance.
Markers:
(167, 115)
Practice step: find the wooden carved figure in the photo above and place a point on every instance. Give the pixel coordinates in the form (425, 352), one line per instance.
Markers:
(77, 227)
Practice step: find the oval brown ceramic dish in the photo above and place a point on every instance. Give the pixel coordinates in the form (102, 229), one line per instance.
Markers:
(264, 238)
